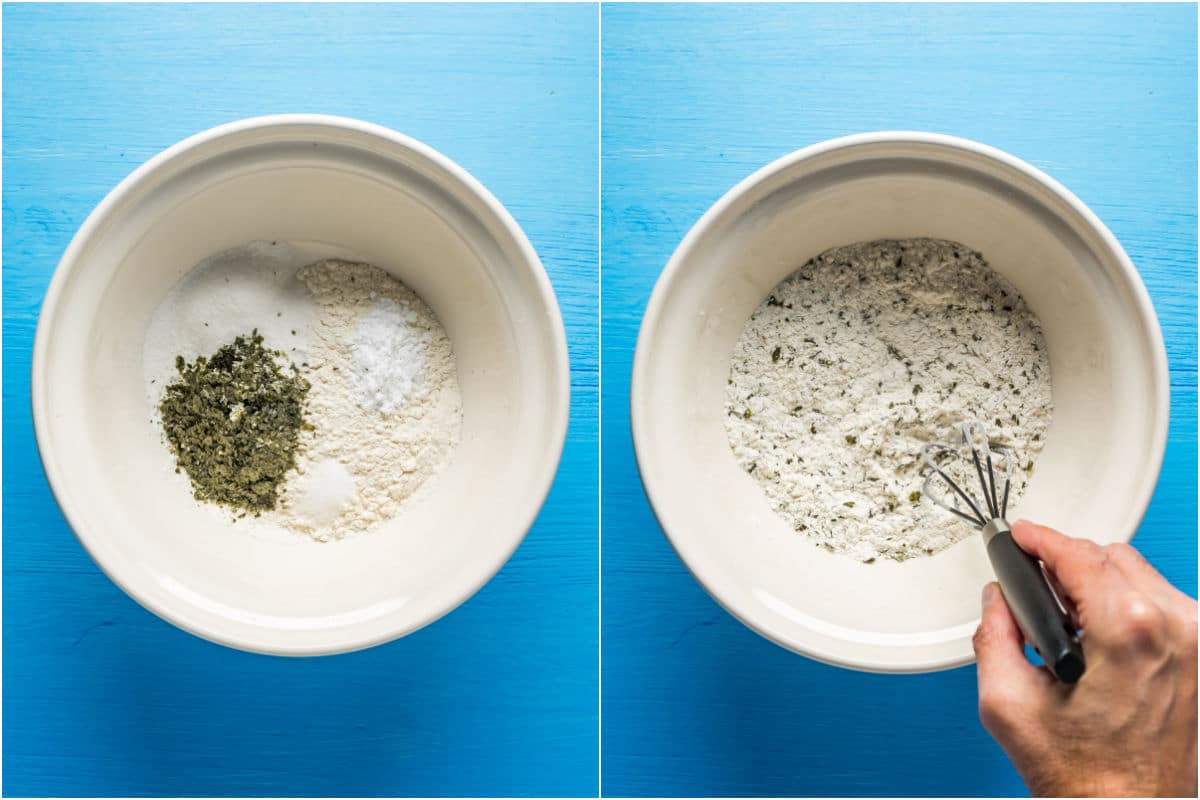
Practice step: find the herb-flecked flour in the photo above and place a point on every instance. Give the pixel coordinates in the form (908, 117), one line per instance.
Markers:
(860, 357)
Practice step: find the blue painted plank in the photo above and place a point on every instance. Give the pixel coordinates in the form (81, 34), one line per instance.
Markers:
(694, 99)
(102, 698)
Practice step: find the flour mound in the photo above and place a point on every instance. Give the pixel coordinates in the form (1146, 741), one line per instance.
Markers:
(384, 404)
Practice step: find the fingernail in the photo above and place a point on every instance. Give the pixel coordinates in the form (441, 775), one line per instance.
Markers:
(989, 593)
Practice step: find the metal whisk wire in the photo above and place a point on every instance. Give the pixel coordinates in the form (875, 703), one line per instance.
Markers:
(995, 503)
(1032, 600)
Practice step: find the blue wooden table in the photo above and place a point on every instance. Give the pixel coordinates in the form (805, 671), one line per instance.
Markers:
(695, 98)
(500, 697)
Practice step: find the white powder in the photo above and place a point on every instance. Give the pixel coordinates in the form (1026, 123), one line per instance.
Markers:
(384, 402)
(322, 493)
(223, 297)
(862, 356)
(388, 354)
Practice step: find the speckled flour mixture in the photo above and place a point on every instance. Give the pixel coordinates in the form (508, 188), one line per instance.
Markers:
(384, 404)
(859, 358)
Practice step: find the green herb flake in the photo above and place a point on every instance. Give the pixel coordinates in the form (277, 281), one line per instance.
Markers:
(233, 423)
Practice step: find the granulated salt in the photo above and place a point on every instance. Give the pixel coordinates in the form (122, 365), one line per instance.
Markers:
(388, 355)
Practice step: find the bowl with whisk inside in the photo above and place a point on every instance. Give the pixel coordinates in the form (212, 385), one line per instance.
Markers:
(213, 225)
(1099, 457)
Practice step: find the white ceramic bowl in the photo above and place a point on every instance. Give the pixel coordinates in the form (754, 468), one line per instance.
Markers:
(371, 194)
(1103, 451)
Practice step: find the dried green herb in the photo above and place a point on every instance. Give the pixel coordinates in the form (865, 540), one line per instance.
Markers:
(233, 422)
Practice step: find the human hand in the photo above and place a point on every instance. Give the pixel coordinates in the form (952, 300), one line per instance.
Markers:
(1128, 727)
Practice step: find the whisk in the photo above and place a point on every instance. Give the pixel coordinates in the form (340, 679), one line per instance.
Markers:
(1035, 606)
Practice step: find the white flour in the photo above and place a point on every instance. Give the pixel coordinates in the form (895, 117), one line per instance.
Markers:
(384, 402)
(862, 356)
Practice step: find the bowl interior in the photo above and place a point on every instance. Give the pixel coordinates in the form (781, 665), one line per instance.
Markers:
(332, 191)
(1105, 355)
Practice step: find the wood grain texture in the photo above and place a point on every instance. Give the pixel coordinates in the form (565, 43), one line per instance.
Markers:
(694, 99)
(101, 697)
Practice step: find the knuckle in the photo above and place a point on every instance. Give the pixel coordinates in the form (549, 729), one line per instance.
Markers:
(985, 636)
(1141, 621)
(1122, 552)
(996, 707)
(980, 638)
(1085, 549)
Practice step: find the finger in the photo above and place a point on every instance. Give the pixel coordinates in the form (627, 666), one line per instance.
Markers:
(1008, 683)
(1079, 565)
(1065, 599)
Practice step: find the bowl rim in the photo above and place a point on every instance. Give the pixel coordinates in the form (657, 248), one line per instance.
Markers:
(640, 377)
(337, 641)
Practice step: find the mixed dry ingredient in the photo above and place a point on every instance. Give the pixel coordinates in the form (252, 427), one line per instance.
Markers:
(861, 357)
(325, 418)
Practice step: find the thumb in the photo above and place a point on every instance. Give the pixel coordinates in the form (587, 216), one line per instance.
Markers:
(1007, 681)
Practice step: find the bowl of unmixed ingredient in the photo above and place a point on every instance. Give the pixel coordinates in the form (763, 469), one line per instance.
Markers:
(300, 385)
(845, 306)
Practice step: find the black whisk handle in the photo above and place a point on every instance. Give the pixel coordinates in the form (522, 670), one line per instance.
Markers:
(1033, 603)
